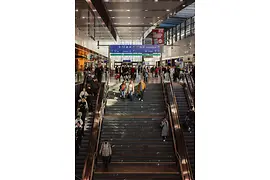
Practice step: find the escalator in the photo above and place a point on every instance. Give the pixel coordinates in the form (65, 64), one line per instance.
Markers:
(133, 129)
(80, 157)
(183, 107)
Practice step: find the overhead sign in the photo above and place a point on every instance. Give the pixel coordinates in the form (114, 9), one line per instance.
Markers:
(134, 49)
(158, 36)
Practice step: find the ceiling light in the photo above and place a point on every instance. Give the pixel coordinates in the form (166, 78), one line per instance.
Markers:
(151, 23)
(128, 10)
(113, 17)
(156, 0)
(128, 23)
(146, 10)
(128, 17)
(184, 5)
(83, 17)
(167, 10)
(144, 17)
(94, 10)
(181, 0)
(77, 10)
(110, 10)
(158, 17)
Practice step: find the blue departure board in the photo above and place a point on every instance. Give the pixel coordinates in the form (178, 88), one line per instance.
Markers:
(133, 49)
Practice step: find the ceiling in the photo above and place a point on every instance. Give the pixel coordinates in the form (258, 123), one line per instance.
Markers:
(84, 20)
(179, 17)
(131, 18)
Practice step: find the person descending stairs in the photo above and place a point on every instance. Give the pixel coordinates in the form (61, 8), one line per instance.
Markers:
(134, 132)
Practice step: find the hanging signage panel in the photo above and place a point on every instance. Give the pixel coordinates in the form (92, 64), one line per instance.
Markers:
(158, 36)
(135, 49)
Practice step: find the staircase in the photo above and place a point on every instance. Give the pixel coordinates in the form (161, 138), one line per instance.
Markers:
(182, 109)
(133, 129)
(80, 158)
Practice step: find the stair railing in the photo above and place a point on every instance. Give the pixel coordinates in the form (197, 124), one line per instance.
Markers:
(94, 141)
(184, 163)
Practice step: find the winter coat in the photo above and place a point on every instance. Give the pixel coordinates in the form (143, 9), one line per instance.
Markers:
(105, 149)
(165, 128)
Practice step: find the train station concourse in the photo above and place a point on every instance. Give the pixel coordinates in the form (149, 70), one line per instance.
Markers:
(135, 89)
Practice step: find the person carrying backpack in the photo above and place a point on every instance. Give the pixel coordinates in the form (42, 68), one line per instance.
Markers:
(123, 89)
(106, 152)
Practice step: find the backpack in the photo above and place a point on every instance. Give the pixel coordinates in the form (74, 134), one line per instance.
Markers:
(123, 87)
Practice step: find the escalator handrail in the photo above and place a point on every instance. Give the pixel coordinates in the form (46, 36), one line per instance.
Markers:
(101, 116)
(91, 157)
(168, 109)
(174, 140)
(175, 106)
(181, 132)
(186, 154)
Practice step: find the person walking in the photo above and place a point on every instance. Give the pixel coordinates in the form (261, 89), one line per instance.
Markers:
(131, 90)
(84, 93)
(141, 88)
(106, 153)
(123, 90)
(165, 129)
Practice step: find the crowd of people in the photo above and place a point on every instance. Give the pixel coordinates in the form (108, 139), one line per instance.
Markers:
(85, 103)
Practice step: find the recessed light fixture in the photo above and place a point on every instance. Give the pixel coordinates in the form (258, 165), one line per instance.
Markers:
(77, 10)
(128, 9)
(128, 17)
(184, 5)
(158, 17)
(110, 9)
(167, 10)
(83, 17)
(156, 0)
(146, 10)
(128, 23)
(181, 0)
(94, 10)
(144, 17)
(113, 17)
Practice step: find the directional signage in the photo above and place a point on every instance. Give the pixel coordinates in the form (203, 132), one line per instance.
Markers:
(134, 49)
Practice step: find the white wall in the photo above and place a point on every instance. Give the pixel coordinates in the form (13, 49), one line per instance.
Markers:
(183, 48)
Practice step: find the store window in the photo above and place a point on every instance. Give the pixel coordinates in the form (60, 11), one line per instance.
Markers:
(182, 32)
(188, 29)
(178, 32)
(174, 34)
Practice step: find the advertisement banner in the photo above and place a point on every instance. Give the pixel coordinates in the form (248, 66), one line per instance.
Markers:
(158, 36)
